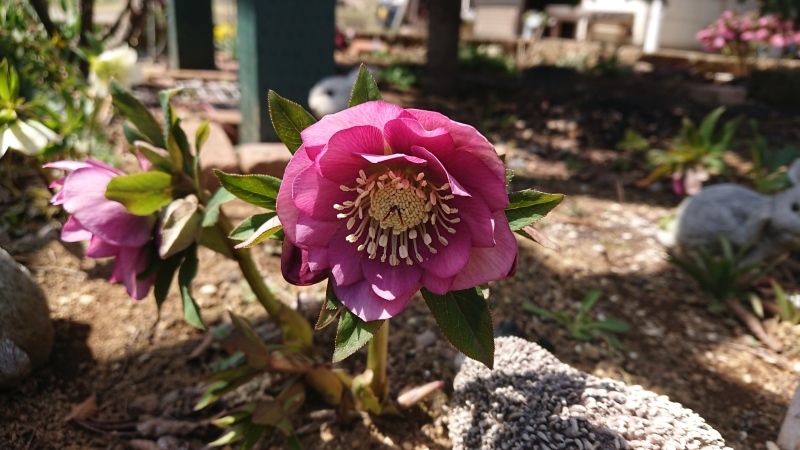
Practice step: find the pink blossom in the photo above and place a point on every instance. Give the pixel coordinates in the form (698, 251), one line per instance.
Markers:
(748, 36)
(718, 43)
(110, 228)
(728, 14)
(388, 200)
(762, 34)
(778, 40)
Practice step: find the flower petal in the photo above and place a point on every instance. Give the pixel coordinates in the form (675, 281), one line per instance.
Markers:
(438, 170)
(362, 301)
(101, 249)
(318, 259)
(438, 286)
(397, 160)
(341, 161)
(465, 137)
(287, 211)
(402, 134)
(84, 198)
(489, 264)
(130, 262)
(375, 113)
(73, 231)
(449, 259)
(314, 233)
(315, 196)
(295, 266)
(478, 180)
(478, 218)
(344, 258)
(390, 282)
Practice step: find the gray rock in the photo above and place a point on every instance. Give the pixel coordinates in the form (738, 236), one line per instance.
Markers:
(26, 332)
(533, 400)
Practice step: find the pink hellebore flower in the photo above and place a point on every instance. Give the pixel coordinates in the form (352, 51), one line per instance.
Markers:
(110, 228)
(388, 200)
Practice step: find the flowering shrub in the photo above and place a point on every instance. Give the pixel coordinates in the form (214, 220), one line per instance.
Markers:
(740, 35)
(380, 201)
(390, 200)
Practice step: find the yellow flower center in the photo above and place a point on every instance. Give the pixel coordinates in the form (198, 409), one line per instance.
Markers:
(395, 210)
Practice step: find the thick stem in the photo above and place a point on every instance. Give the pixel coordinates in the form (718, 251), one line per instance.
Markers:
(376, 361)
(292, 324)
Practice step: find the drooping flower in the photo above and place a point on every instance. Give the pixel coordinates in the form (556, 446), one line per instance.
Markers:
(387, 200)
(110, 228)
(119, 64)
(27, 136)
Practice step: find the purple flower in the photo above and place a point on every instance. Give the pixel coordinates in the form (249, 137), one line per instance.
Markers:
(387, 200)
(110, 228)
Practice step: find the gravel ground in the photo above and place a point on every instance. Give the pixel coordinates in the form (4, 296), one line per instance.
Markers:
(533, 400)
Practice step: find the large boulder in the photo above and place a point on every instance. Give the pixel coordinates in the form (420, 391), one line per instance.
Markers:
(533, 400)
(26, 332)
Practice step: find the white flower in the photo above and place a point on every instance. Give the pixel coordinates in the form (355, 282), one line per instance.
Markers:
(29, 137)
(119, 64)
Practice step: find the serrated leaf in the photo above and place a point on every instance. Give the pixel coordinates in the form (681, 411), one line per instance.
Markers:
(132, 134)
(353, 333)
(141, 193)
(258, 190)
(262, 233)
(248, 227)
(218, 198)
(137, 115)
(191, 312)
(465, 320)
(330, 310)
(288, 119)
(180, 226)
(364, 89)
(529, 206)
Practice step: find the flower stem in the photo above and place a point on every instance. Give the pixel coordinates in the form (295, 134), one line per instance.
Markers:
(293, 325)
(376, 361)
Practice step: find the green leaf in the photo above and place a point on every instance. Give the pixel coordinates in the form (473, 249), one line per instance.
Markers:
(541, 312)
(465, 320)
(708, 124)
(228, 438)
(191, 312)
(258, 190)
(137, 115)
(141, 193)
(609, 325)
(213, 239)
(365, 89)
(509, 176)
(352, 334)
(288, 119)
(248, 227)
(218, 198)
(293, 443)
(179, 143)
(132, 134)
(201, 136)
(153, 155)
(529, 206)
(330, 309)
(164, 276)
(262, 233)
(589, 300)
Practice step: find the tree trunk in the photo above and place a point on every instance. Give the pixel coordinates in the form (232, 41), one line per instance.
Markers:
(87, 26)
(444, 21)
(40, 6)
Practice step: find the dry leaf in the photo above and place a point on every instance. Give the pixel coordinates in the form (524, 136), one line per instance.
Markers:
(541, 239)
(413, 395)
(157, 427)
(146, 404)
(83, 410)
(142, 444)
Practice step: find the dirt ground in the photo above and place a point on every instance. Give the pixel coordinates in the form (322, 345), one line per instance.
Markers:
(559, 133)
